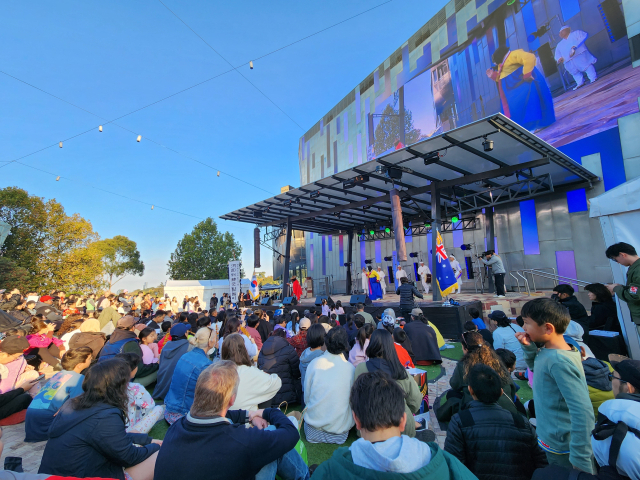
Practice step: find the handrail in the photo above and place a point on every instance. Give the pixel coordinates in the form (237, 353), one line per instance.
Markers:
(526, 282)
(517, 281)
(557, 278)
(540, 273)
(531, 271)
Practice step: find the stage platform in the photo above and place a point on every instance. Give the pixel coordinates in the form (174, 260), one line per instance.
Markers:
(449, 319)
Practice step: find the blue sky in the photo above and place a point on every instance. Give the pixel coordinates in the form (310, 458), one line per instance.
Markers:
(111, 58)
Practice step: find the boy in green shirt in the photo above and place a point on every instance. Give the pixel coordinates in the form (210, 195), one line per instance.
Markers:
(563, 409)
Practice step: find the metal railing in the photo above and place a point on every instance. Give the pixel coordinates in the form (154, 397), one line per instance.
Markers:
(540, 272)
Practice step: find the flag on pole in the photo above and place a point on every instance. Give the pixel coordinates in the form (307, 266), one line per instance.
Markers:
(444, 272)
(255, 288)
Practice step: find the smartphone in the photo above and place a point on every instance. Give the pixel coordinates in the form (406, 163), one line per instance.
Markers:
(40, 377)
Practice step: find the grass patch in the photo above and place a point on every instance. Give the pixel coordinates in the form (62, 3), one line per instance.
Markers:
(525, 393)
(454, 353)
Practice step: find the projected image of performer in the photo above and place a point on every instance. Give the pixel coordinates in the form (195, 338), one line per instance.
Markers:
(576, 57)
(524, 94)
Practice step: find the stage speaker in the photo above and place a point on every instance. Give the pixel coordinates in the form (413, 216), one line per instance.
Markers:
(549, 65)
(265, 301)
(319, 299)
(613, 19)
(290, 301)
(363, 299)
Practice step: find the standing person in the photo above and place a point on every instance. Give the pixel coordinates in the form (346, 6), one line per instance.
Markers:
(457, 271)
(375, 292)
(576, 57)
(625, 255)
(365, 281)
(423, 271)
(326, 310)
(213, 303)
(400, 273)
(407, 292)
(563, 410)
(383, 284)
(487, 439)
(297, 289)
(497, 269)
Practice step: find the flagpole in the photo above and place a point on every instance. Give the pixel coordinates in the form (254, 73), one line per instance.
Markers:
(435, 228)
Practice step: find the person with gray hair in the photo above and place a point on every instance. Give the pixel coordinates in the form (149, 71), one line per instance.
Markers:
(212, 426)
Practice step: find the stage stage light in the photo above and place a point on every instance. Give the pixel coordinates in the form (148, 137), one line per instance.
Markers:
(454, 219)
(366, 207)
(432, 158)
(315, 194)
(388, 230)
(357, 180)
(465, 246)
(388, 259)
(427, 225)
(413, 254)
(368, 262)
(487, 144)
(372, 232)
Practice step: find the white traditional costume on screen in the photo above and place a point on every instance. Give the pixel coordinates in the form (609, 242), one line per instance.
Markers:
(423, 271)
(383, 284)
(576, 56)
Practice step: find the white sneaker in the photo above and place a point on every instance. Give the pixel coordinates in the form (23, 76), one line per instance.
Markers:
(501, 296)
(578, 86)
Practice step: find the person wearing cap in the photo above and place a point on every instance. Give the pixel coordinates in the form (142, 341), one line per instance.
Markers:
(125, 340)
(504, 336)
(45, 307)
(407, 291)
(299, 341)
(424, 339)
(572, 52)
(497, 269)
(15, 374)
(171, 353)
(423, 271)
(109, 317)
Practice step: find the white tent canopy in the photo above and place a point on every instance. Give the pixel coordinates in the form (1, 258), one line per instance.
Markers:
(619, 213)
(204, 289)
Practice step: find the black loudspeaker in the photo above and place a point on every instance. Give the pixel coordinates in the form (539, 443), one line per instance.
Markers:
(363, 299)
(319, 299)
(613, 19)
(290, 301)
(265, 301)
(549, 65)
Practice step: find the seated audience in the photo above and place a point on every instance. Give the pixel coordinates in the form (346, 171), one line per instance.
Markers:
(277, 356)
(299, 341)
(352, 326)
(382, 357)
(424, 340)
(388, 323)
(415, 313)
(252, 323)
(89, 336)
(565, 295)
(576, 332)
(358, 353)
(43, 344)
(88, 438)
(326, 385)
(315, 340)
(147, 337)
(70, 326)
(487, 336)
(171, 354)
(234, 325)
(382, 451)
(487, 439)
(293, 326)
(604, 313)
(58, 389)
(264, 327)
(504, 336)
(598, 375)
(16, 377)
(166, 335)
(142, 413)
(234, 450)
(256, 387)
(185, 375)
(476, 318)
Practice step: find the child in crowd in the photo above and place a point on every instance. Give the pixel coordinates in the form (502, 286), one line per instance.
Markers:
(166, 326)
(150, 353)
(563, 409)
(489, 440)
(476, 318)
(315, 342)
(44, 344)
(358, 352)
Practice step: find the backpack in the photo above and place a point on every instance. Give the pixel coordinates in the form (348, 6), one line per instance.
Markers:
(110, 350)
(606, 428)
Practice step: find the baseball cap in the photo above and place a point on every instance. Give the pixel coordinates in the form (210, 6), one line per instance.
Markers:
(571, 341)
(179, 329)
(497, 315)
(629, 371)
(45, 298)
(416, 311)
(126, 322)
(389, 317)
(305, 323)
(14, 344)
(248, 311)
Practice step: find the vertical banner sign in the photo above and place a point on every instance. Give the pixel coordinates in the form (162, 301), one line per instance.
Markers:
(234, 280)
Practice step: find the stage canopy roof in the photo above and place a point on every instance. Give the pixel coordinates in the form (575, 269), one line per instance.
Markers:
(468, 176)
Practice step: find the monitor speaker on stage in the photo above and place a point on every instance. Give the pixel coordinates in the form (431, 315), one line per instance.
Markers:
(290, 301)
(363, 299)
(265, 301)
(319, 299)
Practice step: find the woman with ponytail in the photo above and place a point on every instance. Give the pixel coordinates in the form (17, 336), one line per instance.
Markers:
(476, 351)
(358, 352)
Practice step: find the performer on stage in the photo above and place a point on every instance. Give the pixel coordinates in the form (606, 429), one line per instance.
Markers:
(297, 289)
(423, 271)
(383, 284)
(399, 274)
(365, 281)
(375, 292)
(457, 271)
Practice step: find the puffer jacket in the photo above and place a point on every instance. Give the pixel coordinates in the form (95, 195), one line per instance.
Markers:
(277, 356)
(596, 373)
(407, 291)
(10, 304)
(494, 443)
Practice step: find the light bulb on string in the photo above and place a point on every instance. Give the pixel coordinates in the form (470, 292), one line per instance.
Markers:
(58, 178)
(251, 64)
(151, 207)
(139, 138)
(60, 144)
(218, 172)
(100, 128)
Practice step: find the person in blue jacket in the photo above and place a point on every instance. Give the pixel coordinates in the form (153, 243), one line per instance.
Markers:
(62, 386)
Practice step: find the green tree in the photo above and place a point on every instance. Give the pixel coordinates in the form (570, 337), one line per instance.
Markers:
(120, 258)
(263, 279)
(387, 132)
(12, 276)
(203, 254)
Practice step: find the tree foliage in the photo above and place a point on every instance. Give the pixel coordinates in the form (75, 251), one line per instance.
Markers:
(262, 278)
(120, 257)
(12, 276)
(387, 132)
(203, 254)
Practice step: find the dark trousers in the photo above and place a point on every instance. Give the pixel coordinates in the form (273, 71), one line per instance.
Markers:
(499, 281)
(50, 355)
(406, 313)
(13, 401)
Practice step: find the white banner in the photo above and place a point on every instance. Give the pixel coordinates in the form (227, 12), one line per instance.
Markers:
(234, 280)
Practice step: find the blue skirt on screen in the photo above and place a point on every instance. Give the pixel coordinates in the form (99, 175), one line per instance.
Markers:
(529, 104)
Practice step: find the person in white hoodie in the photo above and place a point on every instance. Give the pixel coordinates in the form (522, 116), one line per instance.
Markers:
(315, 348)
(327, 385)
(255, 386)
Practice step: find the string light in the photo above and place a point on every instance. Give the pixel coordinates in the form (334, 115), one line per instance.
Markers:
(251, 64)
(218, 172)
(151, 207)
(139, 138)
(100, 128)
(60, 144)
(58, 178)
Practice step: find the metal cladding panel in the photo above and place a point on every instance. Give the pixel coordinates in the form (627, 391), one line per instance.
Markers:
(545, 219)
(561, 220)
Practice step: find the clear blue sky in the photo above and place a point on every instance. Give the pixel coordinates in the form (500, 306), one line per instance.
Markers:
(113, 57)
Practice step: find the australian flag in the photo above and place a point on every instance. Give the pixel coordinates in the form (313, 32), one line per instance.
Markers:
(444, 273)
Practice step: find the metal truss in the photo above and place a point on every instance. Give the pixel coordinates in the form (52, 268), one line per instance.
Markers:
(446, 226)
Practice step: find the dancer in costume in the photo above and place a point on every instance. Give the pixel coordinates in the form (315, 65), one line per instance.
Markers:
(457, 271)
(297, 289)
(524, 94)
(383, 284)
(365, 281)
(375, 292)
